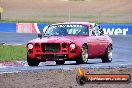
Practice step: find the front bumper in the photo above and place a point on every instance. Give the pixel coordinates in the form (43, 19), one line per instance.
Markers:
(53, 52)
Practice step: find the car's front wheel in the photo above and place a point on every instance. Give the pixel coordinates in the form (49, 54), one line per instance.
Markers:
(32, 62)
(108, 55)
(83, 57)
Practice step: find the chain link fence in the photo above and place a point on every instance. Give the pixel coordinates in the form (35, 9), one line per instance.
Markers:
(100, 18)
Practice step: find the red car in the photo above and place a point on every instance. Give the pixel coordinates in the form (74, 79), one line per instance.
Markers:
(70, 41)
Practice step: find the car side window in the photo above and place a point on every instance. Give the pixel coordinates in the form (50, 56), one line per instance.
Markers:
(92, 31)
(97, 30)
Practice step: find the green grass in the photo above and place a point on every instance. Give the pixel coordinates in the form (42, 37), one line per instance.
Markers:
(90, 17)
(28, 21)
(66, 16)
(12, 53)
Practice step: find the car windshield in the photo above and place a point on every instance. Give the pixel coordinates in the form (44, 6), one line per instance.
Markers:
(66, 29)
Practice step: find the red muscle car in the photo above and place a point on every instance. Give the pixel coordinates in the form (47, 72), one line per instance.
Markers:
(70, 41)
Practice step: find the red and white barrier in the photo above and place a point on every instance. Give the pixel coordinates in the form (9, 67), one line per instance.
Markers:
(27, 28)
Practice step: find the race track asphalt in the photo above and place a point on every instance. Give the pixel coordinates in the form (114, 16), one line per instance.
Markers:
(122, 51)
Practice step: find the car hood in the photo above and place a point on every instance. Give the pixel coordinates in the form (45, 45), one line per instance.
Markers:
(58, 39)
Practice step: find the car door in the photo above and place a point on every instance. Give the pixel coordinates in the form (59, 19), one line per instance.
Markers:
(93, 47)
(101, 40)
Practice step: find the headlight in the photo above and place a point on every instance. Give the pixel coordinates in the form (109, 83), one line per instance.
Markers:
(72, 46)
(30, 46)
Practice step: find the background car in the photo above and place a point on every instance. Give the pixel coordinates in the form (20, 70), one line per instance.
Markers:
(70, 41)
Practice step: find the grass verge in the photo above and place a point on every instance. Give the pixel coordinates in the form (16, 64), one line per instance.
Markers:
(52, 22)
(28, 21)
(12, 53)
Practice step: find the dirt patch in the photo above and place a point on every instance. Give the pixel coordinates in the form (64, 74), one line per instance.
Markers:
(58, 79)
(65, 10)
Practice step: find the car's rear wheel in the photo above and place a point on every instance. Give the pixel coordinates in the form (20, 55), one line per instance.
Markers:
(60, 62)
(108, 55)
(83, 57)
(32, 62)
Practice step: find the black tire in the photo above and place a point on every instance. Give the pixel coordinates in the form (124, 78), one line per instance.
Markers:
(83, 57)
(60, 62)
(32, 62)
(108, 55)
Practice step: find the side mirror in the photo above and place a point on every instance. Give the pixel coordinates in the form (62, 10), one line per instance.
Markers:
(40, 36)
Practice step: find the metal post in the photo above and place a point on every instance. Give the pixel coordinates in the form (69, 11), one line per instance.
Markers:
(1, 10)
(0, 15)
(69, 15)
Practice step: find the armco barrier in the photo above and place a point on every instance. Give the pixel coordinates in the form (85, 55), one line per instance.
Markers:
(117, 29)
(111, 29)
(7, 27)
(30, 27)
(22, 27)
(27, 28)
(41, 26)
